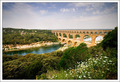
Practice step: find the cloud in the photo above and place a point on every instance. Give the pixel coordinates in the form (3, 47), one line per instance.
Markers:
(87, 4)
(96, 12)
(89, 8)
(109, 10)
(64, 10)
(105, 11)
(52, 6)
(82, 4)
(43, 12)
(67, 10)
(23, 15)
(20, 9)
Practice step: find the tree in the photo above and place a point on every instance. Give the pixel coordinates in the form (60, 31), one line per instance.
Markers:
(73, 55)
(110, 40)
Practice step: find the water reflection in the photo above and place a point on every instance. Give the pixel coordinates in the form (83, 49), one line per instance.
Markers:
(40, 50)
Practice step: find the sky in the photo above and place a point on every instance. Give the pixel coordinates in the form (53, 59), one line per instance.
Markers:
(60, 15)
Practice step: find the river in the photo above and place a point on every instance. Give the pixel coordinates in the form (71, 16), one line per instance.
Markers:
(39, 50)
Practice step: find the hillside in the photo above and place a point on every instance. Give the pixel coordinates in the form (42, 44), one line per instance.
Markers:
(25, 36)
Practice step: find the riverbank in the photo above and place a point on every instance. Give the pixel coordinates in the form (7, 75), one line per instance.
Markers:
(64, 47)
(8, 48)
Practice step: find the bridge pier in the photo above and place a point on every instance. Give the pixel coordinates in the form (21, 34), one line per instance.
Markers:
(67, 38)
(81, 39)
(93, 40)
(61, 37)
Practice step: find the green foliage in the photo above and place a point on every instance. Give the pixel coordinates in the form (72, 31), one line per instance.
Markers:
(42, 76)
(30, 65)
(110, 40)
(24, 36)
(94, 51)
(77, 36)
(14, 69)
(94, 68)
(70, 36)
(72, 55)
(112, 52)
(64, 35)
(32, 70)
(97, 62)
(56, 53)
(87, 36)
(9, 58)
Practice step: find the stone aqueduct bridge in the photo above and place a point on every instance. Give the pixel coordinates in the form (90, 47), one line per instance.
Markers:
(82, 33)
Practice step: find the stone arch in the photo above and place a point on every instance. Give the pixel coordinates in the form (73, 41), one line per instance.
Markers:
(83, 32)
(91, 32)
(77, 36)
(63, 40)
(70, 36)
(98, 39)
(59, 34)
(64, 35)
(59, 39)
(105, 33)
(87, 32)
(100, 32)
(96, 32)
(69, 42)
(87, 39)
(76, 43)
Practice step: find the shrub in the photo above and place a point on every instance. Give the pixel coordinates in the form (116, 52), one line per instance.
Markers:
(56, 53)
(94, 51)
(112, 52)
(9, 58)
(32, 70)
(94, 68)
(14, 69)
(110, 40)
(42, 76)
(30, 65)
(72, 55)
(50, 63)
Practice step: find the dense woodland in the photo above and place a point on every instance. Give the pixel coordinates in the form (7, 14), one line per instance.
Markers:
(25, 36)
(97, 62)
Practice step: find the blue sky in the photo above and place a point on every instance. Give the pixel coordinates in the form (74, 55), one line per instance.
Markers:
(60, 15)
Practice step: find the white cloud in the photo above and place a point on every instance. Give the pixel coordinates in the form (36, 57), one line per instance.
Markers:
(73, 9)
(54, 22)
(64, 10)
(23, 16)
(109, 10)
(96, 12)
(67, 10)
(97, 5)
(89, 8)
(82, 4)
(43, 12)
(105, 11)
(52, 6)
(86, 4)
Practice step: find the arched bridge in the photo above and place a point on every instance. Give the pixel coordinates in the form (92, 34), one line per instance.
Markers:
(75, 37)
